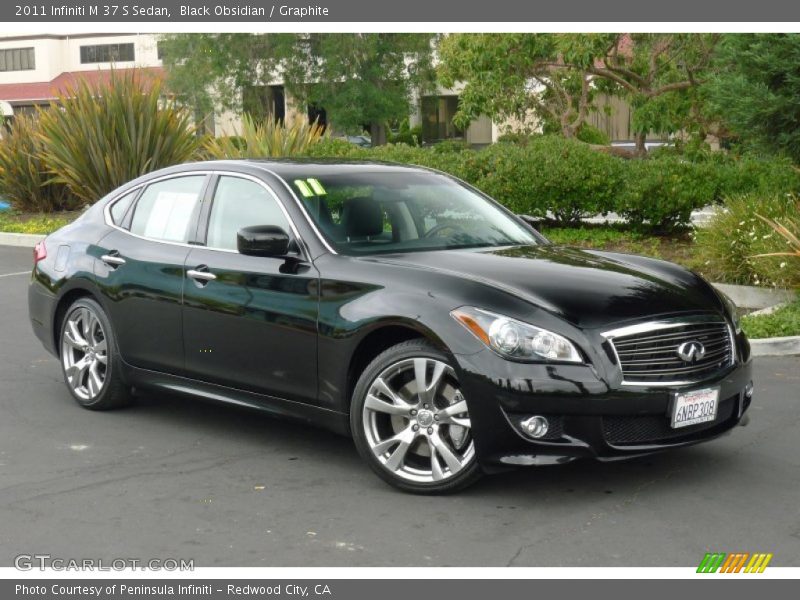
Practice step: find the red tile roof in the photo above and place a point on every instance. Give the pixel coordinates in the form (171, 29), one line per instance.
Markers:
(42, 91)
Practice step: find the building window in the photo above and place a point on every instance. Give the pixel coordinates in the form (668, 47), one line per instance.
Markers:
(17, 59)
(103, 53)
(264, 102)
(437, 118)
(159, 51)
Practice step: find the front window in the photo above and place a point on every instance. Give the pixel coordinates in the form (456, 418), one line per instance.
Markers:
(368, 212)
(241, 203)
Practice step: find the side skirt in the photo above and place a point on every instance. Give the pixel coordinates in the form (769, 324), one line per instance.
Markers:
(290, 409)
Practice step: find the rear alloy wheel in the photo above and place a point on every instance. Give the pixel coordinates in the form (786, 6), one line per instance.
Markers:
(89, 358)
(411, 422)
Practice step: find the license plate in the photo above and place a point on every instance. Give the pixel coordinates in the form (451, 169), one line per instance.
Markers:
(697, 406)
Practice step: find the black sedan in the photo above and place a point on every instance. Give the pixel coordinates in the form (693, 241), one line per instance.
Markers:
(394, 304)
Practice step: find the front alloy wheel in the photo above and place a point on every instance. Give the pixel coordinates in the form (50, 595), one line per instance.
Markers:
(412, 423)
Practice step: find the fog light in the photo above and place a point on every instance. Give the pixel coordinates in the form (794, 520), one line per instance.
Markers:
(748, 390)
(535, 427)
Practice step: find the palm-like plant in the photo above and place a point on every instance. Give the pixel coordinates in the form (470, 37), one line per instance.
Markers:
(97, 137)
(267, 139)
(24, 180)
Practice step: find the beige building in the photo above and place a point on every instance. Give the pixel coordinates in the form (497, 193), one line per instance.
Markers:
(34, 69)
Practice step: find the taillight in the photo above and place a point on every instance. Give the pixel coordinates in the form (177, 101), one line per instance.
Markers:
(39, 252)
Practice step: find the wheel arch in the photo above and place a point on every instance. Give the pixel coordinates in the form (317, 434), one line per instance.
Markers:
(377, 340)
(64, 302)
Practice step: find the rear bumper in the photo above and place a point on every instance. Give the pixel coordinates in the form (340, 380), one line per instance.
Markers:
(587, 417)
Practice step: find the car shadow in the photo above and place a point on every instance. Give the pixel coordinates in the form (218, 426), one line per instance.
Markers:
(580, 480)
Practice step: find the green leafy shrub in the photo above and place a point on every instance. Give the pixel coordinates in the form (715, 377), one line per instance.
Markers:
(784, 321)
(550, 173)
(662, 193)
(728, 247)
(336, 148)
(592, 135)
(266, 139)
(752, 174)
(406, 134)
(101, 136)
(24, 180)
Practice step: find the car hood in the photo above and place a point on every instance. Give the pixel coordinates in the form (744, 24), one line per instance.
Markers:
(588, 288)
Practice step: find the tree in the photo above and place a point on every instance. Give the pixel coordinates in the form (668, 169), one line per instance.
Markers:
(557, 75)
(359, 79)
(516, 76)
(756, 91)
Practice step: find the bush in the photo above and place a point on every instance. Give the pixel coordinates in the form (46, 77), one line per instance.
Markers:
(550, 173)
(543, 174)
(728, 246)
(336, 148)
(592, 135)
(101, 136)
(24, 181)
(266, 140)
(406, 134)
(662, 193)
(757, 175)
(784, 321)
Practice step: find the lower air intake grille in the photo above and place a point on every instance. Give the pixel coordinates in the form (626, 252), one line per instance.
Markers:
(655, 429)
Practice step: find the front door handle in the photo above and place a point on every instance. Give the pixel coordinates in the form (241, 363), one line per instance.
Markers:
(113, 259)
(201, 274)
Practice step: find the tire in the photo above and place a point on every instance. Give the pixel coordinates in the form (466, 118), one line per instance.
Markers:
(90, 361)
(416, 442)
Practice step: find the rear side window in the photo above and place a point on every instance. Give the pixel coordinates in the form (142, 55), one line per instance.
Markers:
(241, 203)
(166, 209)
(121, 206)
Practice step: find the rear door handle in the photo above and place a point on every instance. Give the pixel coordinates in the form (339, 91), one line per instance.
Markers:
(201, 274)
(113, 259)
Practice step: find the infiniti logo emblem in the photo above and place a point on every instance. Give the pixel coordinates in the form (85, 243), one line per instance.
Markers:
(691, 351)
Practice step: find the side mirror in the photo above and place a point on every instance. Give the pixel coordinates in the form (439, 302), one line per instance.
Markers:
(263, 240)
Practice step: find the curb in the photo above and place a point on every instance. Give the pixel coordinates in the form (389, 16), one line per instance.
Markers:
(777, 346)
(21, 240)
(748, 296)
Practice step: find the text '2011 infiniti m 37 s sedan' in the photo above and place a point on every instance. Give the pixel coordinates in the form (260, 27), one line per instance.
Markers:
(394, 304)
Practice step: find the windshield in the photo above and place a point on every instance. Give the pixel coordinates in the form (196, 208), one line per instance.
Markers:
(373, 212)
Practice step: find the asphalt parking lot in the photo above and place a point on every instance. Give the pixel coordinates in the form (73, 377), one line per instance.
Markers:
(174, 477)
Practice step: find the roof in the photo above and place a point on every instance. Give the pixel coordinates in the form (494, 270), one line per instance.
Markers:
(43, 91)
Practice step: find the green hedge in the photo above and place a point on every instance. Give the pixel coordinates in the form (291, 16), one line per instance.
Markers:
(570, 180)
(662, 193)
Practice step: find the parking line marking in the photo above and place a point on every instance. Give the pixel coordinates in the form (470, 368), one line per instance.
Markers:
(12, 274)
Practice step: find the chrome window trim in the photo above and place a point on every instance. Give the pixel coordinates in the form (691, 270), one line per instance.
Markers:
(109, 221)
(659, 325)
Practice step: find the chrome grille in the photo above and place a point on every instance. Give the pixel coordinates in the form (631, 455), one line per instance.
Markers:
(649, 353)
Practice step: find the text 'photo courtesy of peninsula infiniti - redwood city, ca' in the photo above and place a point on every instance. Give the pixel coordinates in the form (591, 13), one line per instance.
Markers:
(394, 304)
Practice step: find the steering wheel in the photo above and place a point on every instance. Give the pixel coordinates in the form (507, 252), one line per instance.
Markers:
(438, 228)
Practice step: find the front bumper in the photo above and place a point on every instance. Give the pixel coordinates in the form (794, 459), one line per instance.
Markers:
(588, 418)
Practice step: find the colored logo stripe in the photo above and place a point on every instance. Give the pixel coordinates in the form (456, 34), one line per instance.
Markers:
(758, 563)
(734, 563)
(711, 562)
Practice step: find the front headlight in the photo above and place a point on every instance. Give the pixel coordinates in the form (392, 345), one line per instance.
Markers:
(732, 311)
(514, 339)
